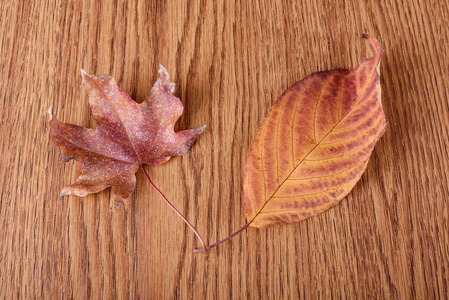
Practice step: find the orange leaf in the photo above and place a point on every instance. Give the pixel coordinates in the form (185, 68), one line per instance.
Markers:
(314, 145)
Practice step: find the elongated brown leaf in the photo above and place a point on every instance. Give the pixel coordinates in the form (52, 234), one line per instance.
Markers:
(314, 144)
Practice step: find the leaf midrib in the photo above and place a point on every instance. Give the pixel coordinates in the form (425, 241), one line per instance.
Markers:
(121, 121)
(102, 154)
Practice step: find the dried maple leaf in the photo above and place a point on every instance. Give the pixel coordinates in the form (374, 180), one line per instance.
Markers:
(314, 144)
(127, 135)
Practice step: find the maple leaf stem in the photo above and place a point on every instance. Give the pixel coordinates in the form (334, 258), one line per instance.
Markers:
(204, 249)
(207, 248)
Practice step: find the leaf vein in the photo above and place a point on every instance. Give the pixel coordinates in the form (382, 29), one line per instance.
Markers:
(361, 132)
(98, 153)
(310, 194)
(343, 155)
(331, 175)
(316, 108)
(123, 125)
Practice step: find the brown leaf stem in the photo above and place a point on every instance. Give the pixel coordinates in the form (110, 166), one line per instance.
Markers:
(204, 249)
(207, 248)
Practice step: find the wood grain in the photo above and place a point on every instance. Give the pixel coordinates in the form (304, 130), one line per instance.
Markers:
(230, 61)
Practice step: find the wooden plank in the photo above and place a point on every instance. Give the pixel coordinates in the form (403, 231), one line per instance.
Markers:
(230, 61)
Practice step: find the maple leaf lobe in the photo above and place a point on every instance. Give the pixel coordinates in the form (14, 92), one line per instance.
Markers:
(314, 144)
(127, 135)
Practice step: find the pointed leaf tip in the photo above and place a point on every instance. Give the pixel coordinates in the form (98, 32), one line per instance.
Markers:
(163, 71)
(86, 78)
(85, 75)
(117, 204)
(377, 48)
(164, 79)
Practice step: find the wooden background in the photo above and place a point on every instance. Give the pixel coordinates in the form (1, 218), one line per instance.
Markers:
(230, 61)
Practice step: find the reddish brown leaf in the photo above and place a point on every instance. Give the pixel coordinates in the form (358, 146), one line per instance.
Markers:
(314, 144)
(127, 135)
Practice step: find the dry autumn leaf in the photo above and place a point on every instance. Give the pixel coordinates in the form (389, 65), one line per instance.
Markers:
(127, 136)
(314, 144)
